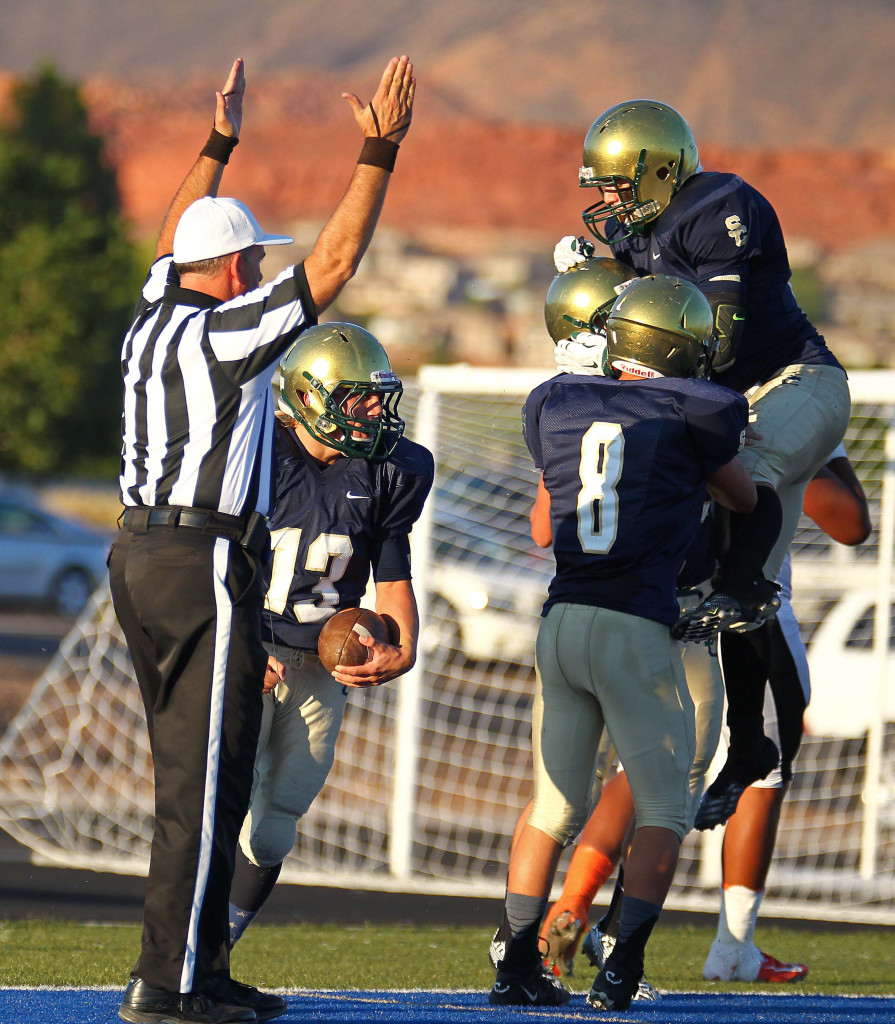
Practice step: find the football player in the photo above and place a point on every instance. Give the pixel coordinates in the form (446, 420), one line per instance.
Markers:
(835, 500)
(348, 488)
(625, 466)
(575, 313)
(660, 212)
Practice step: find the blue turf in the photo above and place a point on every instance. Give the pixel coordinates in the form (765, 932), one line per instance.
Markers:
(89, 1006)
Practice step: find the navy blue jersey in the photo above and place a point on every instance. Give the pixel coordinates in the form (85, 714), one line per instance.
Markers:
(724, 236)
(700, 561)
(626, 464)
(330, 526)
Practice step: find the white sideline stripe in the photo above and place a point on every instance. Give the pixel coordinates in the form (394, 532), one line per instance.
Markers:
(374, 994)
(223, 622)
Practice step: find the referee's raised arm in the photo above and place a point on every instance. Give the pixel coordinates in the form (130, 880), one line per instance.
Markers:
(343, 241)
(205, 175)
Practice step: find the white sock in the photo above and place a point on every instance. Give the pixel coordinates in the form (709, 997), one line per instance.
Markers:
(739, 912)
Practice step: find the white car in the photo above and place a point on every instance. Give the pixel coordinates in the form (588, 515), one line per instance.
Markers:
(46, 559)
(843, 669)
(485, 598)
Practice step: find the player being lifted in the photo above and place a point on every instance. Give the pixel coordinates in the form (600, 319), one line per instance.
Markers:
(625, 467)
(661, 213)
(348, 487)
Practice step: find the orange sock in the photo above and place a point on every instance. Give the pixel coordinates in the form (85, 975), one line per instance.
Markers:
(588, 870)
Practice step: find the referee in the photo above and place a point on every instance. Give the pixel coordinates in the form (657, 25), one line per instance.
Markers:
(184, 569)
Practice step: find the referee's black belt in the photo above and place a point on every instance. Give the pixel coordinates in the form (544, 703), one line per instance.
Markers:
(250, 531)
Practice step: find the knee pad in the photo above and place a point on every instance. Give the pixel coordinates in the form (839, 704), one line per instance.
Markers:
(269, 841)
(563, 828)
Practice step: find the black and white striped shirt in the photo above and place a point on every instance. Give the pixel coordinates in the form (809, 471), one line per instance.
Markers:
(197, 428)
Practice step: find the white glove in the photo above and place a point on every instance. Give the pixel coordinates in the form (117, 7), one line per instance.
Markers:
(570, 251)
(582, 353)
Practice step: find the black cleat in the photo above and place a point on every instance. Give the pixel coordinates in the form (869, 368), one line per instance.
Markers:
(723, 609)
(720, 800)
(535, 987)
(144, 1005)
(612, 989)
(226, 990)
(598, 946)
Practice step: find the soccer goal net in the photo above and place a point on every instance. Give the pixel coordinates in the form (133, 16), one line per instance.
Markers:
(432, 771)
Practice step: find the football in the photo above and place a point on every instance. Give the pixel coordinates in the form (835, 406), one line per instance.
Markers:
(339, 642)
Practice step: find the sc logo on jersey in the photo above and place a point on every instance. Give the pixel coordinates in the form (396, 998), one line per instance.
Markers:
(736, 229)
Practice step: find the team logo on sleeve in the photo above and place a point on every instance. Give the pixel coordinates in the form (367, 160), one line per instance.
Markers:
(736, 229)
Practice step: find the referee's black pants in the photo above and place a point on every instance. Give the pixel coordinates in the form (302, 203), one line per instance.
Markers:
(189, 604)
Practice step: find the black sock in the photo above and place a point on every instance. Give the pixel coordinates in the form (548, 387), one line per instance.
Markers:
(521, 923)
(745, 665)
(752, 538)
(249, 889)
(251, 884)
(638, 918)
(609, 922)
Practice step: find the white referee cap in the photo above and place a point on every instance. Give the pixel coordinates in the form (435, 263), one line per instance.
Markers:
(213, 227)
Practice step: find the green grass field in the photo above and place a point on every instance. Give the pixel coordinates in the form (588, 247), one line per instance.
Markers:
(42, 952)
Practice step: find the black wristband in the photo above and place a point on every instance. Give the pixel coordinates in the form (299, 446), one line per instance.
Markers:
(219, 147)
(379, 153)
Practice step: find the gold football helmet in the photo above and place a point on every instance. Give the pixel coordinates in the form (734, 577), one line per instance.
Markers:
(327, 372)
(580, 298)
(661, 326)
(645, 151)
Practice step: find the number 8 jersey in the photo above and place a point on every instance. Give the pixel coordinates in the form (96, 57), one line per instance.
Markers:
(330, 526)
(626, 464)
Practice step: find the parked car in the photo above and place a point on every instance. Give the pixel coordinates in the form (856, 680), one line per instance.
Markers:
(485, 598)
(843, 668)
(46, 559)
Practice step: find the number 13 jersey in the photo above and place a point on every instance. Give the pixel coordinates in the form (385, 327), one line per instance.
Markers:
(626, 464)
(330, 526)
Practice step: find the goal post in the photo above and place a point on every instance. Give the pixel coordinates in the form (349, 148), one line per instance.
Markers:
(432, 770)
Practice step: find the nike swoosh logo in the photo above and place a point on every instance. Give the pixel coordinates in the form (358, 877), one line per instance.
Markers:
(357, 496)
(656, 255)
(531, 995)
(735, 317)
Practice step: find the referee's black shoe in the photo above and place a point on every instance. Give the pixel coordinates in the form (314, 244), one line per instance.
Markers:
(144, 1005)
(224, 989)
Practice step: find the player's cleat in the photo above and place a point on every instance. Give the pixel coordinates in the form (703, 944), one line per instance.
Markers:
(144, 1005)
(496, 950)
(746, 962)
(561, 931)
(720, 800)
(266, 1005)
(597, 946)
(774, 971)
(724, 609)
(535, 987)
(612, 989)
